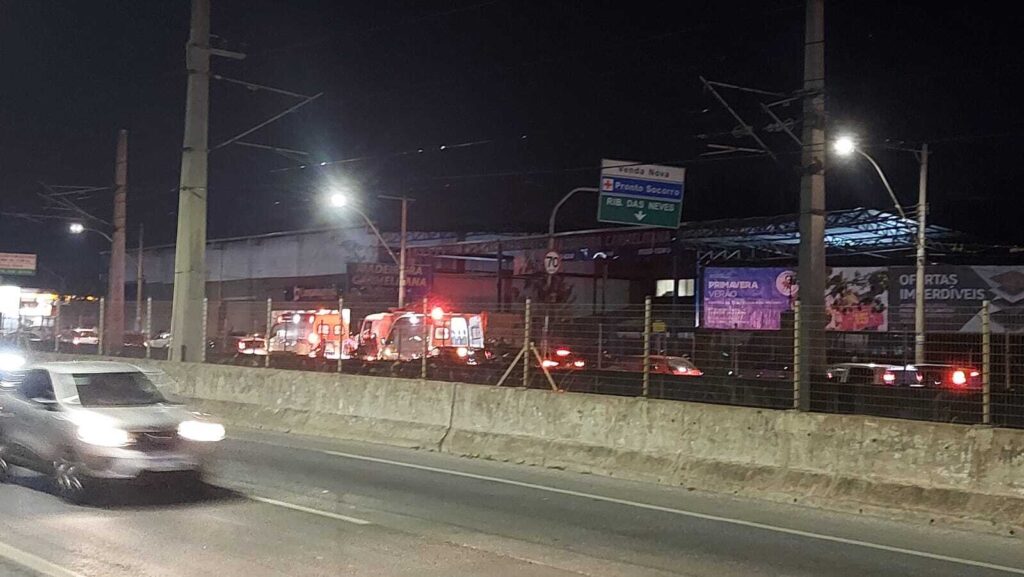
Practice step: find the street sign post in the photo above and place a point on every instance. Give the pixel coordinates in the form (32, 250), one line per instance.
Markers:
(640, 194)
(552, 262)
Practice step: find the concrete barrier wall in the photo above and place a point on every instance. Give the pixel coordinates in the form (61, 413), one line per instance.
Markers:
(834, 461)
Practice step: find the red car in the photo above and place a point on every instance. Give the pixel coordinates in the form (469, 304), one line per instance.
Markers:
(563, 358)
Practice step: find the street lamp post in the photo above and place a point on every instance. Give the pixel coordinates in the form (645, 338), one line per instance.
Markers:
(341, 200)
(401, 245)
(845, 146)
(551, 246)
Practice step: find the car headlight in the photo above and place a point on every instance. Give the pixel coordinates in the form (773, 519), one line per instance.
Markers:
(11, 361)
(200, 431)
(103, 435)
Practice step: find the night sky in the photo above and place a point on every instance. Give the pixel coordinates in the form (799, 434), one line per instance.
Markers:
(525, 97)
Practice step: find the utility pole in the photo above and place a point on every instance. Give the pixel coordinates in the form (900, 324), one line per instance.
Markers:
(812, 206)
(401, 253)
(114, 322)
(190, 247)
(402, 244)
(139, 280)
(922, 212)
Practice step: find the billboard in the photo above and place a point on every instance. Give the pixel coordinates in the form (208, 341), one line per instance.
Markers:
(379, 281)
(856, 298)
(953, 297)
(747, 298)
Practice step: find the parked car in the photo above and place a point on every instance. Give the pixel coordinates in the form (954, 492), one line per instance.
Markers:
(80, 336)
(134, 339)
(938, 376)
(864, 374)
(563, 358)
(85, 423)
(162, 340)
(659, 365)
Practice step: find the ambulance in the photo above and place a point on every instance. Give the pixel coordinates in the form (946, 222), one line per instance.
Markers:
(403, 335)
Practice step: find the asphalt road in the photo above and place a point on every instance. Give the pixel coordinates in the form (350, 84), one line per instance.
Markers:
(285, 505)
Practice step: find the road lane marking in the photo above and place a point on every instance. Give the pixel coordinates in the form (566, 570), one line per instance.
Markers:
(34, 563)
(684, 513)
(310, 510)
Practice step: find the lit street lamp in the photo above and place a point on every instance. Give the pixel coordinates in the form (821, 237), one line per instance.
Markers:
(846, 146)
(79, 228)
(341, 199)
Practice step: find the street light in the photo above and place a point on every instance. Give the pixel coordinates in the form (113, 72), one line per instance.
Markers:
(846, 146)
(340, 198)
(79, 228)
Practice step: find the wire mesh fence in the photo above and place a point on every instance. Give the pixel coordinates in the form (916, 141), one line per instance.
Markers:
(970, 369)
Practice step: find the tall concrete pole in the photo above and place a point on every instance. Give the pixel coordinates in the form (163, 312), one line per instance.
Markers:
(190, 247)
(114, 321)
(812, 207)
(401, 253)
(919, 277)
(139, 283)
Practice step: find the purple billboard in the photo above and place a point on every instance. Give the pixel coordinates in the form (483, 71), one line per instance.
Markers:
(747, 298)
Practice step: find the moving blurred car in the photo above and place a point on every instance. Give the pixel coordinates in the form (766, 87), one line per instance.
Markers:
(83, 423)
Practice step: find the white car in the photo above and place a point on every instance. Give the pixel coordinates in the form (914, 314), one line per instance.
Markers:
(161, 341)
(81, 336)
(86, 424)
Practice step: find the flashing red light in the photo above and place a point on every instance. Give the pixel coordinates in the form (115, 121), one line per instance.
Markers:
(437, 313)
(889, 378)
(579, 364)
(959, 378)
(563, 352)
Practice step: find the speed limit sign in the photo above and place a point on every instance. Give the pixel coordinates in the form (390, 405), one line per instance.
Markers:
(552, 262)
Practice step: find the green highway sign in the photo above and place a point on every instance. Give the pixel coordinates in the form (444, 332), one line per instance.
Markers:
(640, 211)
(640, 194)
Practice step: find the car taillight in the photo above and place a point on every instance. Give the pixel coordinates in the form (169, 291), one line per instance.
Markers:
(579, 364)
(959, 378)
(548, 363)
(241, 345)
(975, 374)
(563, 352)
(889, 378)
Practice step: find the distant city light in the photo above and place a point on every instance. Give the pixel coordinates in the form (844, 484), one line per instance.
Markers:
(76, 228)
(844, 146)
